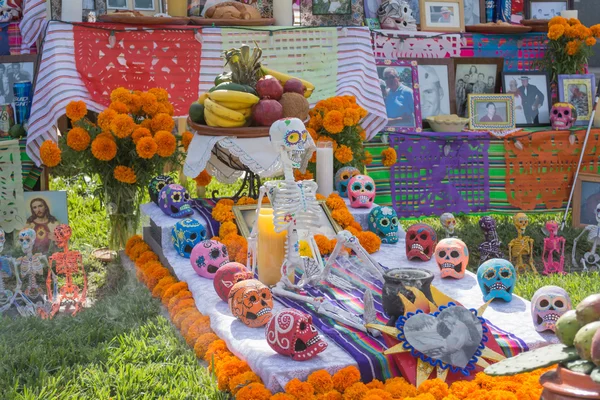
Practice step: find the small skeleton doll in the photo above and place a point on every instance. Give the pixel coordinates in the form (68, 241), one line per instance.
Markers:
(65, 263)
(592, 234)
(554, 250)
(490, 248)
(521, 246)
(448, 223)
(30, 264)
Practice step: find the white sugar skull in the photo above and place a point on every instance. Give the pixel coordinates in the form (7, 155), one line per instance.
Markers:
(396, 14)
(2, 240)
(27, 240)
(361, 191)
(289, 138)
(563, 116)
(548, 304)
(448, 223)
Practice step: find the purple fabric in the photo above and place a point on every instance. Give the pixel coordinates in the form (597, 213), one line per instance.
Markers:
(426, 181)
(204, 207)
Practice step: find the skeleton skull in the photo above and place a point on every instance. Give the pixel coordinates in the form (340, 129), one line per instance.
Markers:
(496, 278)
(27, 240)
(548, 304)
(521, 221)
(207, 257)
(448, 222)
(62, 234)
(291, 333)
(186, 234)
(452, 256)
(421, 240)
(156, 185)
(342, 178)
(2, 239)
(251, 302)
(289, 138)
(396, 14)
(563, 116)
(173, 200)
(227, 276)
(383, 221)
(361, 191)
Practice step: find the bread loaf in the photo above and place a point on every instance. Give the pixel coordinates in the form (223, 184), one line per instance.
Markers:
(232, 10)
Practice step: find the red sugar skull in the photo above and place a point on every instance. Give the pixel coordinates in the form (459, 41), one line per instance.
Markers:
(291, 333)
(421, 240)
(227, 276)
(563, 116)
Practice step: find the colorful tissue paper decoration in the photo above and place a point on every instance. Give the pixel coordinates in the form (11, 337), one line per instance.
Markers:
(251, 302)
(186, 234)
(207, 257)
(497, 278)
(452, 256)
(383, 222)
(548, 304)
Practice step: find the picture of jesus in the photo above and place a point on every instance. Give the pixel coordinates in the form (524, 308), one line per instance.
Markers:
(43, 223)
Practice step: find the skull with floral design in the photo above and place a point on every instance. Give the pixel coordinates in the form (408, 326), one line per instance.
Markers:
(342, 178)
(563, 116)
(383, 221)
(548, 304)
(251, 302)
(174, 200)
(497, 278)
(361, 191)
(207, 257)
(157, 184)
(227, 276)
(186, 234)
(289, 137)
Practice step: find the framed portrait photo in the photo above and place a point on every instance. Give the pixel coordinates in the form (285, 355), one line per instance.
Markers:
(546, 9)
(580, 91)
(585, 200)
(399, 83)
(475, 76)
(491, 111)
(14, 69)
(442, 15)
(331, 7)
(474, 11)
(246, 215)
(532, 97)
(44, 212)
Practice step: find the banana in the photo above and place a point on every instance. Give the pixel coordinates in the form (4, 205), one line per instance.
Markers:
(215, 120)
(246, 112)
(232, 96)
(202, 97)
(223, 112)
(234, 106)
(283, 78)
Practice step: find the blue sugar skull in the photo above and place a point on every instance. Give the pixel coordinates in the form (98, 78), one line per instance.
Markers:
(186, 234)
(497, 278)
(174, 200)
(342, 178)
(157, 184)
(383, 221)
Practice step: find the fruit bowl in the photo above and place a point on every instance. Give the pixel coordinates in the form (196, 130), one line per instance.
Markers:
(447, 123)
(242, 132)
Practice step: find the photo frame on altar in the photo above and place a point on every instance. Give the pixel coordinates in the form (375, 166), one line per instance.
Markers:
(474, 12)
(14, 69)
(331, 7)
(399, 83)
(580, 91)
(355, 18)
(442, 15)
(546, 9)
(530, 89)
(475, 75)
(246, 215)
(44, 211)
(491, 111)
(585, 199)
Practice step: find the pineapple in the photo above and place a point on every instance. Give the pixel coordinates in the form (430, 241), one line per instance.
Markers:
(245, 68)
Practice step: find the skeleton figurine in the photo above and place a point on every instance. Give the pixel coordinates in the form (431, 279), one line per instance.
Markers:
(66, 263)
(448, 223)
(396, 14)
(491, 247)
(590, 258)
(521, 246)
(553, 244)
(30, 264)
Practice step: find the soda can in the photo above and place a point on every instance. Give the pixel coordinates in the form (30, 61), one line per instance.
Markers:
(22, 92)
(7, 119)
(503, 10)
(490, 11)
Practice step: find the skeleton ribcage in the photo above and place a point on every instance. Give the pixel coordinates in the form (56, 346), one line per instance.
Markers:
(295, 202)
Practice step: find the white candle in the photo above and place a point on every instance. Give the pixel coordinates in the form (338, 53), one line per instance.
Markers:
(72, 11)
(569, 14)
(283, 12)
(325, 168)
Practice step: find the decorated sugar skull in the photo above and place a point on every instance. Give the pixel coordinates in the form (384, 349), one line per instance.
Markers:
(157, 184)
(497, 278)
(207, 257)
(186, 234)
(521, 222)
(291, 333)
(421, 240)
(448, 223)
(62, 235)
(361, 191)
(2, 239)
(289, 137)
(173, 200)
(251, 302)
(342, 178)
(27, 240)
(563, 116)
(383, 222)
(452, 256)
(396, 14)
(227, 276)
(548, 304)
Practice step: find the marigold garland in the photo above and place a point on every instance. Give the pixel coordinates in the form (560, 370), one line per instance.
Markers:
(202, 343)
(321, 380)
(254, 391)
(76, 110)
(146, 147)
(227, 228)
(172, 291)
(50, 154)
(162, 285)
(345, 378)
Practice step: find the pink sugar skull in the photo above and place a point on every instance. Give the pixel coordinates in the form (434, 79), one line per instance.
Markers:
(563, 116)
(207, 257)
(291, 333)
(548, 304)
(227, 276)
(361, 191)
(452, 256)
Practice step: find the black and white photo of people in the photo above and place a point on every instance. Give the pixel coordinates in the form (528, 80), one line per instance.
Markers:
(473, 79)
(10, 73)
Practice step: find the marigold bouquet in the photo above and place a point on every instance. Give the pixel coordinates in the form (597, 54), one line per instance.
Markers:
(129, 144)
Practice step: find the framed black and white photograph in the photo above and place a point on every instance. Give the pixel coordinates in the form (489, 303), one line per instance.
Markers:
(474, 12)
(580, 91)
(117, 4)
(491, 111)
(331, 7)
(399, 83)
(15, 69)
(546, 9)
(585, 200)
(442, 15)
(475, 76)
(532, 97)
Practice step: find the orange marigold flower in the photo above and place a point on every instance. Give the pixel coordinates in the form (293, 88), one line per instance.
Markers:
(50, 154)
(571, 32)
(573, 47)
(356, 391)
(121, 94)
(237, 382)
(333, 395)
(198, 328)
(203, 179)
(182, 295)
(152, 279)
(344, 154)
(423, 396)
(300, 390)
(282, 396)
(119, 107)
(590, 41)
(186, 139)
(351, 117)
(144, 258)
(125, 174)
(463, 389)
(335, 202)
(229, 369)
(227, 228)
(76, 110)
(244, 200)
(149, 104)
(315, 122)
(215, 348)
(202, 344)
(160, 93)
(435, 387)
(234, 244)
(368, 158)
(399, 388)
(595, 30)
(583, 32)
(557, 21)
(320, 197)
(324, 244)
(167, 143)
(138, 250)
(105, 118)
(573, 21)
(107, 135)
(299, 176)
(122, 126)
(135, 104)
(104, 149)
(162, 122)
(321, 381)
(186, 319)
(182, 305)
(223, 212)
(333, 122)
(146, 147)
(139, 133)
(363, 134)
(342, 216)
(345, 378)
(375, 384)
(132, 241)
(313, 134)
(254, 391)
(369, 241)
(162, 285)
(356, 226)
(173, 290)
(378, 394)
(389, 157)
(78, 139)
(556, 31)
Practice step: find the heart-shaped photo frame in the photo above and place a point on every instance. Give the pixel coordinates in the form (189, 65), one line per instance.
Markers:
(452, 337)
